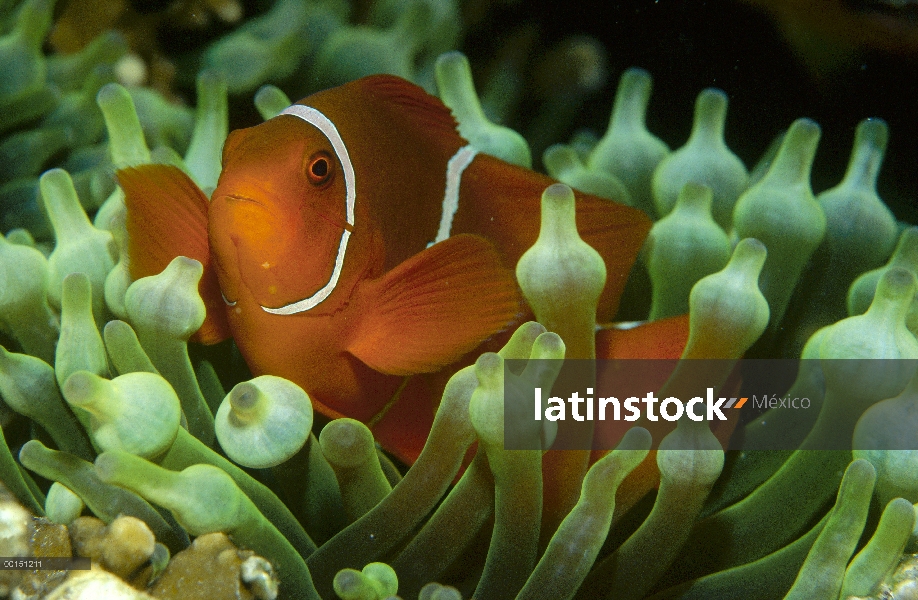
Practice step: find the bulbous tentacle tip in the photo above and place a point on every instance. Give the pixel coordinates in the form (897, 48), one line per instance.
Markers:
(76, 292)
(264, 422)
(169, 302)
(558, 194)
(563, 162)
(489, 368)
(136, 412)
(560, 158)
(435, 591)
(106, 466)
(270, 100)
(112, 93)
(347, 443)
(243, 397)
(861, 473)
(873, 132)
(82, 387)
(727, 311)
(562, 277)
(54, 180)
(375, 581)
(383, 576)
(128, 145)
(803, 129)
(559, 219)
(486, 407)
(794, 156)
(750, 253)
(710, 115)
(907, 247)
(520, 343)
(637, 81)
(210, 79)
(684, 246)
(863, 290)
(187, 267)
(694, 467)
(59, 196)
(448, 61)
(636, 438)
(548, 346)
(710, 98)
(696, 196)
(453, 75)
(210, 129)
(33, 21)
(62, 506)
(896, 286)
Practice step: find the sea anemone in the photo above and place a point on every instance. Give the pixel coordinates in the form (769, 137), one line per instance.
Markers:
(121, 446)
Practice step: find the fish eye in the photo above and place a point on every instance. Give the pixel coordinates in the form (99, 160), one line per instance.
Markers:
(319, 168)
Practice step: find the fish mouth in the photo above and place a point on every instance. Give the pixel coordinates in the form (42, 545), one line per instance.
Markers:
(239, 198)
(230, 241)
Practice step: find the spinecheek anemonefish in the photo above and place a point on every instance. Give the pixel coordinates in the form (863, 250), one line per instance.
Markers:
(357, 240)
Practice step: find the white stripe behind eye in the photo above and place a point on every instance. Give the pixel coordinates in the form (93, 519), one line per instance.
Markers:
(454, 169)
(323, 124)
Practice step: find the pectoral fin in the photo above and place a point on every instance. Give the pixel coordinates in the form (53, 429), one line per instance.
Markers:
(434, 307)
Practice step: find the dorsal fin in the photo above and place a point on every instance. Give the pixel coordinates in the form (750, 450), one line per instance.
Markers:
(426, 110)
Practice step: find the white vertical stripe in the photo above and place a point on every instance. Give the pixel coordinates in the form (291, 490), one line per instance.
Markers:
(324, 124)
(454, 169)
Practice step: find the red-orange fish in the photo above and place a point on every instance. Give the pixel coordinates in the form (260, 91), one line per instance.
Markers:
(357, 239)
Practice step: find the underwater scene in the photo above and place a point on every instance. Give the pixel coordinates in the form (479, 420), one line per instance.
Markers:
(445, 299)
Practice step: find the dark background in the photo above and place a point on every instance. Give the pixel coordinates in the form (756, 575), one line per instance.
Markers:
(688, 46)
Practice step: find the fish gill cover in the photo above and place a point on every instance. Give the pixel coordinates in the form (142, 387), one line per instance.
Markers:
(763, 340)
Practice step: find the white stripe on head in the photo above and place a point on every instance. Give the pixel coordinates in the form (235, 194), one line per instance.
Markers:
(454, 169)
(324, 124)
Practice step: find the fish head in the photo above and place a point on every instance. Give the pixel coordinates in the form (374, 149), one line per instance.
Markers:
(282, 216)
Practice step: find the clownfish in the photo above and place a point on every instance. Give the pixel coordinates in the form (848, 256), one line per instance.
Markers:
(357, 240)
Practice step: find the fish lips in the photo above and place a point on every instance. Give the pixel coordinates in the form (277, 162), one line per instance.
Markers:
(263, 250)
(238, 227)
